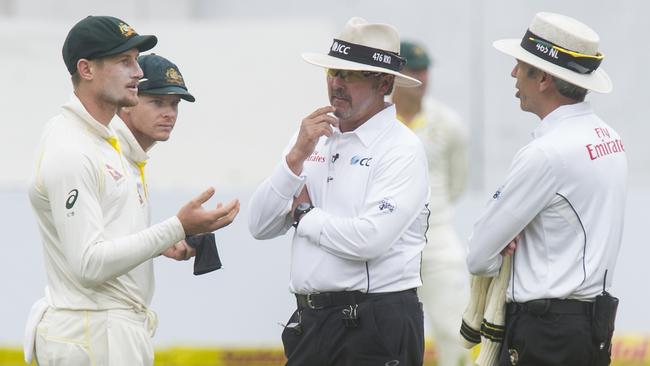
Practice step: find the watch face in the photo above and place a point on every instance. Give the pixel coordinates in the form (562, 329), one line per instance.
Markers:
(302, 206)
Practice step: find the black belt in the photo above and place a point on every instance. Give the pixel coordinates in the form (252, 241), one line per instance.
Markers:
(554, 306)
(323, 300)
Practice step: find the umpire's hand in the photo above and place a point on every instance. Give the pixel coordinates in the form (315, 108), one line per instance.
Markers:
(511, 247)
(315, 125)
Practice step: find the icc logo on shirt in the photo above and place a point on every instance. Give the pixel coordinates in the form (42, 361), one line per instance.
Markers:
(360, 161)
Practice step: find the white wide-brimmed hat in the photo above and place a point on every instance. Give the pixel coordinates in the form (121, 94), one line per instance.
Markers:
(562, 47)
(364, 46)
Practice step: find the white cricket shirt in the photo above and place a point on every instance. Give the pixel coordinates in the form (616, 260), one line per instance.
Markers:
(367, 230)
(445, 142)
(137, 159)
(565, 192)
(88, 210)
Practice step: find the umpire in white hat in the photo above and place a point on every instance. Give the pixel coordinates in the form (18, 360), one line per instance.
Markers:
(353, 183)
(559, 212)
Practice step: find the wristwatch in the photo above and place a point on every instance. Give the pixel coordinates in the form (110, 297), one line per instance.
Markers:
(300, 211)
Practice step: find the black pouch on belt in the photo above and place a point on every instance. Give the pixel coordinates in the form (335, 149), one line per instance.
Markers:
(602, 326)
(207, 257)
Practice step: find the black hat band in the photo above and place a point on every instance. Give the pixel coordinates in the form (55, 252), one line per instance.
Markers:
(366, 55)
(571, 60)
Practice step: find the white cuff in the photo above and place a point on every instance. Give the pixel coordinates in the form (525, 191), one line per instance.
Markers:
(166, 233)
(176, 227)
(287, 184)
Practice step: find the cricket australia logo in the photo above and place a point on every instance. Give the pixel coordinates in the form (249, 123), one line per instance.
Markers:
(126, 30)
(172, 76)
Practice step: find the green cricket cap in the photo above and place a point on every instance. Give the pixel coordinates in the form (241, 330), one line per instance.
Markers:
(100, 36)
(162, 77)
(416, 56)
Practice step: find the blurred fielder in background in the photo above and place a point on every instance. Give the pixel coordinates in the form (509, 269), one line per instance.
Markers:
(444, 289)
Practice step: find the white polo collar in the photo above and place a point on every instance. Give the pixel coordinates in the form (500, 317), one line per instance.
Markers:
(75, 107)
(130, 146)
(552, 120)
(370, 130)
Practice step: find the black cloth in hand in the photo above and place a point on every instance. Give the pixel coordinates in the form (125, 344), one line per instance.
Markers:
(207, 257)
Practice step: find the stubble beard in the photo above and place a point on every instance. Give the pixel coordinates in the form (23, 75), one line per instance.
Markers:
(339, 112)
(119, 101)
(342, 114)
(128, 102)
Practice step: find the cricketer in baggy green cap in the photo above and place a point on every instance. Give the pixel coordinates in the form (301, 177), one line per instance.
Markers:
(416, 56)
(100, 36)
(162, 77)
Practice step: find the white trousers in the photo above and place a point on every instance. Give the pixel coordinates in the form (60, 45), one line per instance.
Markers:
(445, 292)
(93, 338)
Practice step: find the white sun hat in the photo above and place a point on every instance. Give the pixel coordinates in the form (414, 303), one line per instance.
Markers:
(363, 46)
(562, 47)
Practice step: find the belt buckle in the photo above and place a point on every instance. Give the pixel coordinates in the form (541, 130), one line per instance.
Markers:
(310, 302)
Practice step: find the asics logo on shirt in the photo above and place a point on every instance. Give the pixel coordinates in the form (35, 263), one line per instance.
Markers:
(357, 160)
(72, 198)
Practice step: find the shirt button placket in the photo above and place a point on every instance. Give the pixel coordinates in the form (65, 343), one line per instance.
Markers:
(334, 157)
